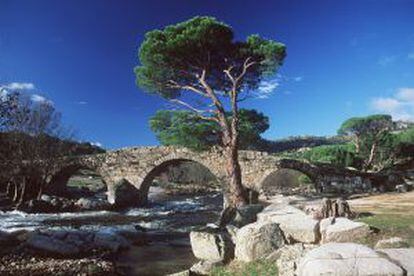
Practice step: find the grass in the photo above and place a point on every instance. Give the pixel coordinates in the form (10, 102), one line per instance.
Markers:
(392, 214)
(391, 225)
(256, 268)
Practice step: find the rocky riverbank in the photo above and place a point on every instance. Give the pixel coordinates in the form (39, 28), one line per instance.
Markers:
(300, 244)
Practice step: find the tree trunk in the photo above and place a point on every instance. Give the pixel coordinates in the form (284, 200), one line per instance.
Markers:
(371, 156)
(237, 194)
(16, 192)
(40, 192)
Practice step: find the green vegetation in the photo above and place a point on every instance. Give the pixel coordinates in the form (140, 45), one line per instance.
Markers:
(199, 66)
(184, 128)
(375, 146)
(255, 268)
(391, 225)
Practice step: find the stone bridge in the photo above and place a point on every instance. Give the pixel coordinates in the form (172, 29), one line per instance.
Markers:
(129, 172)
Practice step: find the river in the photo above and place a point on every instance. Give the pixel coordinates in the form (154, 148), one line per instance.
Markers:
(158, 233)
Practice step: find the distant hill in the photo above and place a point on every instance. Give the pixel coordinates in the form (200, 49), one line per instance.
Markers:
(69, 146)
(298, 142)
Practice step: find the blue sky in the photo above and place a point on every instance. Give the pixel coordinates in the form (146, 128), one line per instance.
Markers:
(345, 58)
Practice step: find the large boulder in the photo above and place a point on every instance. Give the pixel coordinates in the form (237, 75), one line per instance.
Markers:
(404, 257)
(212, 245)
(288, 256)
(127, 195)
(394, 242)
(295, 224)
(342, 230)
(257, 240)
(346, 259)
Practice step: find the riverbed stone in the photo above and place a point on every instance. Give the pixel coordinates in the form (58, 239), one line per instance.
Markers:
(257, 240)
(112, 242)
(342, 230)
(394, 242)
(295, 224)
(212, 245)
(346, 259)
(403, 257)
(52, 246)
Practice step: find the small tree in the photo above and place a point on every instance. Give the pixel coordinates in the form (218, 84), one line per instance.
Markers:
(32, 140)
(368, 135)
(184, 128)
(198, 65)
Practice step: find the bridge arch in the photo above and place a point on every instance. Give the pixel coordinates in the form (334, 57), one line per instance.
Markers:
(289, 165)
(59, 181)
(162, 164)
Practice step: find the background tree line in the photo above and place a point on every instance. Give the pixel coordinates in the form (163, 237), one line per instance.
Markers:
(32, 140)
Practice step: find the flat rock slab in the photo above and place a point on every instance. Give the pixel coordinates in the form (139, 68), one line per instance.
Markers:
(346, 259)
(295, 224)
(342, 230)
(394, 242)
(404, 257)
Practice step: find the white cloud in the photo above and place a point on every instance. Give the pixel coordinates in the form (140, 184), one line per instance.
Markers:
(40, 99)
(400, 105)
(406, 94)
(266, 88)
(298, 79)
(386, 60)
(20, 86)
(97, 144)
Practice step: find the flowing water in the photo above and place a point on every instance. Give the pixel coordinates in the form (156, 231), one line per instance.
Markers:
(158, 233)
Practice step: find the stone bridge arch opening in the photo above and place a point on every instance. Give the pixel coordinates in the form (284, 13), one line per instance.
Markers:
(178, 176)
(76, 181)
(287, 181)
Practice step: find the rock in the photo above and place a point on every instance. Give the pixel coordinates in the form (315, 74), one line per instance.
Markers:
(46, 198)
(295, 224)
(204, 267)
(127, 195)
(404, 257)
(91, 204)
(112, 242)
(401, 188)
(346, 259)
(286, 258)
(257, 240)
(341, 208)
(212, 245)
(246, 214)
(394, 242)
(52, 246)
(342, 230)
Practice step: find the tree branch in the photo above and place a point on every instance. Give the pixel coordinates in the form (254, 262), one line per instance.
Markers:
(197, 111)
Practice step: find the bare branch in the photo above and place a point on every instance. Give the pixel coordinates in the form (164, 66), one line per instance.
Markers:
(174, 84)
